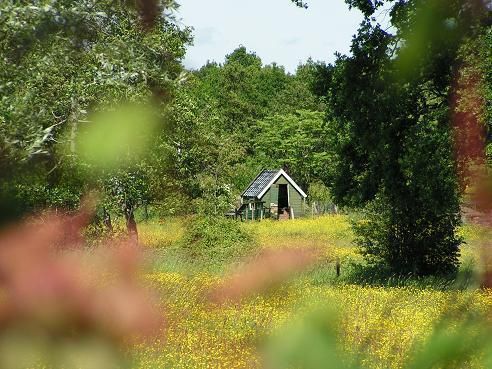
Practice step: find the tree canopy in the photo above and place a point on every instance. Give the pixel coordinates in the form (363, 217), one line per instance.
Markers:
(394, 135)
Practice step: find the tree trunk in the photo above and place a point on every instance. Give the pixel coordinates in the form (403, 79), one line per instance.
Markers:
(74, 122)
(107, 220)
(131, 224)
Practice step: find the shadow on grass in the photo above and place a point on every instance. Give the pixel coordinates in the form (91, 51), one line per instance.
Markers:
(369, 275)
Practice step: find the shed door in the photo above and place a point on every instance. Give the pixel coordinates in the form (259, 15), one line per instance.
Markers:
(283, 197)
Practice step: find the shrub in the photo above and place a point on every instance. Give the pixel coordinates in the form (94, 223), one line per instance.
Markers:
(403, 240)
(215, 240)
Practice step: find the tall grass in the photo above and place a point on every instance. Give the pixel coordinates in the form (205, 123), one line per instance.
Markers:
(161, 233)
(333, 229)
(384, 319)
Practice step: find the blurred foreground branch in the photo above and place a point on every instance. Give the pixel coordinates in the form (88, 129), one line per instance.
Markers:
(64, 306)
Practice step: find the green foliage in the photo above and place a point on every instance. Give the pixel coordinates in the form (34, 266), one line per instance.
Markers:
(243, 90)
(393, 140)
(309, 343)
(320, 197)
(116, 138)
(317, 76)
(215, 240)
(398, 244)
(319, 192)
(367, 7)
(200, 159)
(62, 62)
(415, 231)
(211, 148)
(296, 142)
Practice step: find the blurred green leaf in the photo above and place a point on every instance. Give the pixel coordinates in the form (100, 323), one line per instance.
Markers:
(452, 346)
(309, 343)
(118, 137)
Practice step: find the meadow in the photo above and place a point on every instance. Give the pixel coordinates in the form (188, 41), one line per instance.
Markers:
(381, 323)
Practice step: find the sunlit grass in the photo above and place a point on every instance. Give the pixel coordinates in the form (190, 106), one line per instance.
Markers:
(385, 323)
(328, 229)
(163, 233)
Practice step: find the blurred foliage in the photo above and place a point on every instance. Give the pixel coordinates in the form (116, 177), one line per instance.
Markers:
(64, 307)
(472, 96)
(117, 138)
(313, 342)
(309, 343)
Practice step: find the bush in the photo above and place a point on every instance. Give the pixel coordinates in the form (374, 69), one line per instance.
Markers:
(408, 240)
(215, 240)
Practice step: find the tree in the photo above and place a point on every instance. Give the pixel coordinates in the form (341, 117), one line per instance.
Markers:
(320, 197)
(218, 126)
(316, 76)
(201, 156)
(75, 58)
(300, 4)
(296, 142)
(394, 141)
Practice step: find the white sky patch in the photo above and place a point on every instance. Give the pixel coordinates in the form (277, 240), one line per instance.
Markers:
(276, 30)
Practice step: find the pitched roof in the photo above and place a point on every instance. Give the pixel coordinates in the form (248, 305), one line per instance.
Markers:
(265, 180)
(260, 182)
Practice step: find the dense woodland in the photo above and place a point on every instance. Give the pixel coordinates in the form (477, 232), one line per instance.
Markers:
(388, 131)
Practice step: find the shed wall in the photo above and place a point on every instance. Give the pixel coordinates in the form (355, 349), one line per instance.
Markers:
(296, 201)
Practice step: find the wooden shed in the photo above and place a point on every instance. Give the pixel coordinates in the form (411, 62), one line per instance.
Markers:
(273, 193)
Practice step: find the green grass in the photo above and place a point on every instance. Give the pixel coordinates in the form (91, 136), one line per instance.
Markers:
(161, 233)
(384, 319)
(332, 234)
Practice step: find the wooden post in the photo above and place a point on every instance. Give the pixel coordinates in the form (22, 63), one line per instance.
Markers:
(337, 267)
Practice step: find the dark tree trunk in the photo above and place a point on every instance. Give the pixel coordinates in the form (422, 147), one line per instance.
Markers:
(131, 224)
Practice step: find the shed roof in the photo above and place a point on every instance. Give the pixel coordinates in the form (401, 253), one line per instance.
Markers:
(260, 182)
(267, 178)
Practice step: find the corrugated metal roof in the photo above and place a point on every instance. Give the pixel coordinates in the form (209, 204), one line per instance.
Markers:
(260, 182)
